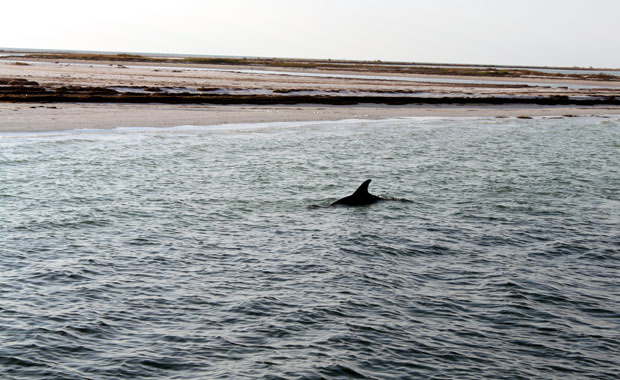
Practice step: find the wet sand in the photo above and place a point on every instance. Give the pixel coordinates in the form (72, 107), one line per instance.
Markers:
(22, 117)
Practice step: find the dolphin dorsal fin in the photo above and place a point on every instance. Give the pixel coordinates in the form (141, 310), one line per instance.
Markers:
(363, 189)
(360, 197)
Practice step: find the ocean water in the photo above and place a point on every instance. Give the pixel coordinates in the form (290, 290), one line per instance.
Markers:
(198, 252)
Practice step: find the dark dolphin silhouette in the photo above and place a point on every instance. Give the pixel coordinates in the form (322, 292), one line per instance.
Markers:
(360, 197)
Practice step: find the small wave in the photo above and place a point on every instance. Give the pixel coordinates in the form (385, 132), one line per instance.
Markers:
(89, 134)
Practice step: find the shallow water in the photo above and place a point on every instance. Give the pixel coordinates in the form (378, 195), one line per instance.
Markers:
(195, 252)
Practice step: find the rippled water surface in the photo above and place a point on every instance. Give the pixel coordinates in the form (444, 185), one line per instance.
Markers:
(196, 252)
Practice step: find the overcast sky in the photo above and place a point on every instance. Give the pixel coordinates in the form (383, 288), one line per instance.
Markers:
(523, 32)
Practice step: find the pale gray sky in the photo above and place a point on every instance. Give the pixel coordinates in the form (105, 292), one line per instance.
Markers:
(522, 32)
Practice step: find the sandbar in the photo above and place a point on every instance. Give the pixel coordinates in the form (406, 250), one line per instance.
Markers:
(52, 95)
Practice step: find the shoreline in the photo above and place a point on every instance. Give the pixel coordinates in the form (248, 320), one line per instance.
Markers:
(30, 117)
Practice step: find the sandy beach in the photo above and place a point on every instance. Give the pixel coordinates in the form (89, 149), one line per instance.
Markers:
(22, 117)
(43, 95)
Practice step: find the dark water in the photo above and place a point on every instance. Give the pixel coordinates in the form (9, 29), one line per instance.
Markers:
(194, 253)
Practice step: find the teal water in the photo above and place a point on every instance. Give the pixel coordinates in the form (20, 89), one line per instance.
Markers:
(195, 252)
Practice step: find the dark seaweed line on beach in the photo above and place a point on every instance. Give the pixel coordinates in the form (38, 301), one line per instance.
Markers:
(288, 99)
